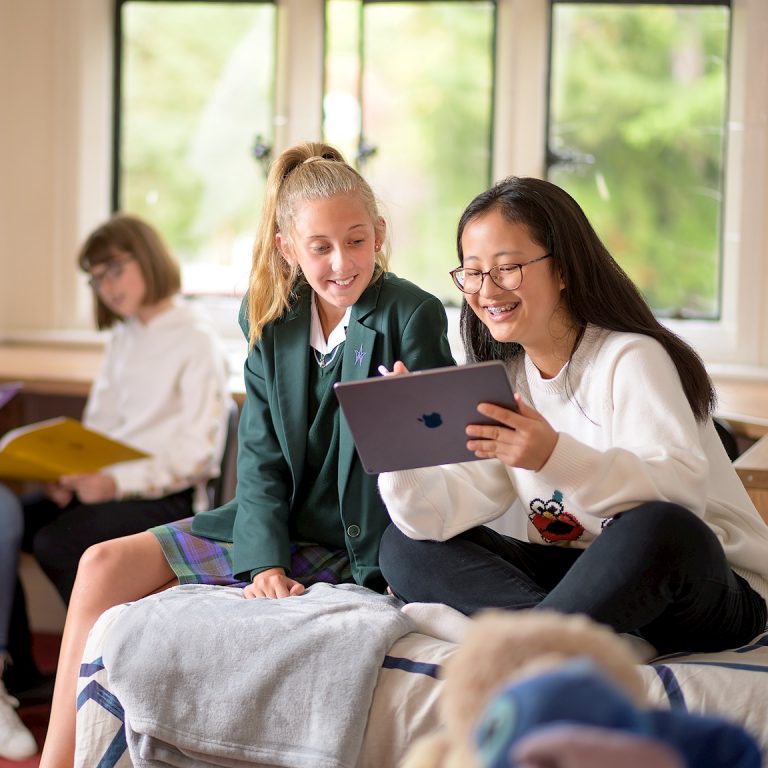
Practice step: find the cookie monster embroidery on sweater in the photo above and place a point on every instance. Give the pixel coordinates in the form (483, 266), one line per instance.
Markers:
(552, 521)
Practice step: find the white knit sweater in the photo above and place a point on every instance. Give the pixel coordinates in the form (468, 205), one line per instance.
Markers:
(626, 435)
(163, 389)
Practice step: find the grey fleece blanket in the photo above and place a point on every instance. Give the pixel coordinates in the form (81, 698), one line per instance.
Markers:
(208, 678)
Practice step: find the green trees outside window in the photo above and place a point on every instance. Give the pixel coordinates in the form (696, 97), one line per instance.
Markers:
(196, 89)
(637, 119)
(636, 134)
(422, 92)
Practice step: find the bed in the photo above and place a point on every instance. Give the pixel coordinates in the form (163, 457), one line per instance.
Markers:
(733, 684)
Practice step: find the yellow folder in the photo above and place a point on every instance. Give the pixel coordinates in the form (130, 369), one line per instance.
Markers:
(55, 447)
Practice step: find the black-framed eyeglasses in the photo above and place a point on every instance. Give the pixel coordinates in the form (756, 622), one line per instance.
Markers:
(112, 271)
(508, 277)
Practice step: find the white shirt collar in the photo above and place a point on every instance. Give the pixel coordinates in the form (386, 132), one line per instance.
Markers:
(338, 334)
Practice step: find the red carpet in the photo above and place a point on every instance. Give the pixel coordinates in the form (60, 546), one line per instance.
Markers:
(35, 716)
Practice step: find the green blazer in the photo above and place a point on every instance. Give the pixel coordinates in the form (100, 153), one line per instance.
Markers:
(392, 320)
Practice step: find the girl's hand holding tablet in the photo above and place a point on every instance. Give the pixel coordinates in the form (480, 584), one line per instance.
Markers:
(523, 439)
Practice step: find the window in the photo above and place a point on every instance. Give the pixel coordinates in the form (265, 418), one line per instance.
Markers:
(195, 82)
(649, 113)
(637, 120)
(196, 105)
(409, 95)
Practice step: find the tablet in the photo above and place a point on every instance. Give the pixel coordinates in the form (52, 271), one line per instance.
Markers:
(418, 419)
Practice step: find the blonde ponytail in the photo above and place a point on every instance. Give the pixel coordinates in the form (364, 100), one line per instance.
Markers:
(310, 171)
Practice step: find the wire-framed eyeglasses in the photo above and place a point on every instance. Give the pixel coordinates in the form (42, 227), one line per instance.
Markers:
(508, 277)
(112, 271)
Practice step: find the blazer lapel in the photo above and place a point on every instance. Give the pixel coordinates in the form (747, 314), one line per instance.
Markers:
(291, 381)
(358, 363)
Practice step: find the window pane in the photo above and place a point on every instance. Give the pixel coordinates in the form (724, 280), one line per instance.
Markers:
(637, 122)
(427, 91)
(197, 91)
(341, 98)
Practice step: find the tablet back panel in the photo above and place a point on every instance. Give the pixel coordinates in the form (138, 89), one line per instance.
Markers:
(418, 419)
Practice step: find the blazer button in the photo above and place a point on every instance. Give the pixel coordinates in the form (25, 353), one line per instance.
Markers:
(353, 531)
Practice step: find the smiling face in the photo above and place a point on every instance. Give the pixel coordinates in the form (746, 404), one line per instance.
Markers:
(334, 241)
(533, 314)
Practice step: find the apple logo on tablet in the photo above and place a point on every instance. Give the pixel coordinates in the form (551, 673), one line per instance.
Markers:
(431, 420)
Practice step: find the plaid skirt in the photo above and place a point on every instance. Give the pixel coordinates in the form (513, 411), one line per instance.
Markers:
(197, 560)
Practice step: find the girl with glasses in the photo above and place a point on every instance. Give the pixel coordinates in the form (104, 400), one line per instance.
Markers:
(162, 388)
(629, 508)
(322, 307)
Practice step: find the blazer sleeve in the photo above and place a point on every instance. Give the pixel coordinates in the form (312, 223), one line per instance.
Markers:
(424, 337)
(264, 484)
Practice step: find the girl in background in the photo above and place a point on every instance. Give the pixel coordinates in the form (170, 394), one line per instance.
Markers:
(162, 389)
(635, 515)
(322, 307)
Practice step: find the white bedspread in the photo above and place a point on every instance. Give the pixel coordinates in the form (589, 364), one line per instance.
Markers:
(733, 684)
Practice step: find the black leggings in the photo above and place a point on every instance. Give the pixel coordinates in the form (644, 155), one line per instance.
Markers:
(656, 570)
(58, 537)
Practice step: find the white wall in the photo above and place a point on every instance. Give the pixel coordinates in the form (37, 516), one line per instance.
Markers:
(55, 74)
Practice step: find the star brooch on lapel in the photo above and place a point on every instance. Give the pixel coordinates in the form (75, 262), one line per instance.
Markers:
(359, 355)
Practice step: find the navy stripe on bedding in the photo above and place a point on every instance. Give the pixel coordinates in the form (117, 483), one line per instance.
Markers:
(671, 687)
(725, 665)
(86, 670)
(115, 750)
(408, 665)
(760, 643)
(104, 698)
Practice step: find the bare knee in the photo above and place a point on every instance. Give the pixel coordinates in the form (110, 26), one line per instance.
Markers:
(119, 571)
(101, 570)
(100, 561)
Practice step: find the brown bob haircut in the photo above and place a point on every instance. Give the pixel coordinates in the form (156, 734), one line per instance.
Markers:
(126, 234)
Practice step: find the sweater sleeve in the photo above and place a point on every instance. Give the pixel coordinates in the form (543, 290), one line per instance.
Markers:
(653, 447)
(440, 502)
(102, 408)
(424, 341)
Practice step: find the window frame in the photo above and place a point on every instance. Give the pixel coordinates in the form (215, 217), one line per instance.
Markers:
(737, 343)
(74, 188)
(451, 300)
(494, 65)
(552, 158)
(117, 79)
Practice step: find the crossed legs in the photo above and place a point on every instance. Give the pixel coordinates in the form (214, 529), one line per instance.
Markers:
(657, 569)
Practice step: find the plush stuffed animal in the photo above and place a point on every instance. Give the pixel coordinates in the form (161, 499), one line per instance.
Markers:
(536, 688)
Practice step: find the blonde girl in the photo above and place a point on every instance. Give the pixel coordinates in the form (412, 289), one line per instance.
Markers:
(321, 307)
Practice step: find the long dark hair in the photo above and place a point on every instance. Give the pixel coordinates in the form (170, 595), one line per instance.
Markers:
(597, 290)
